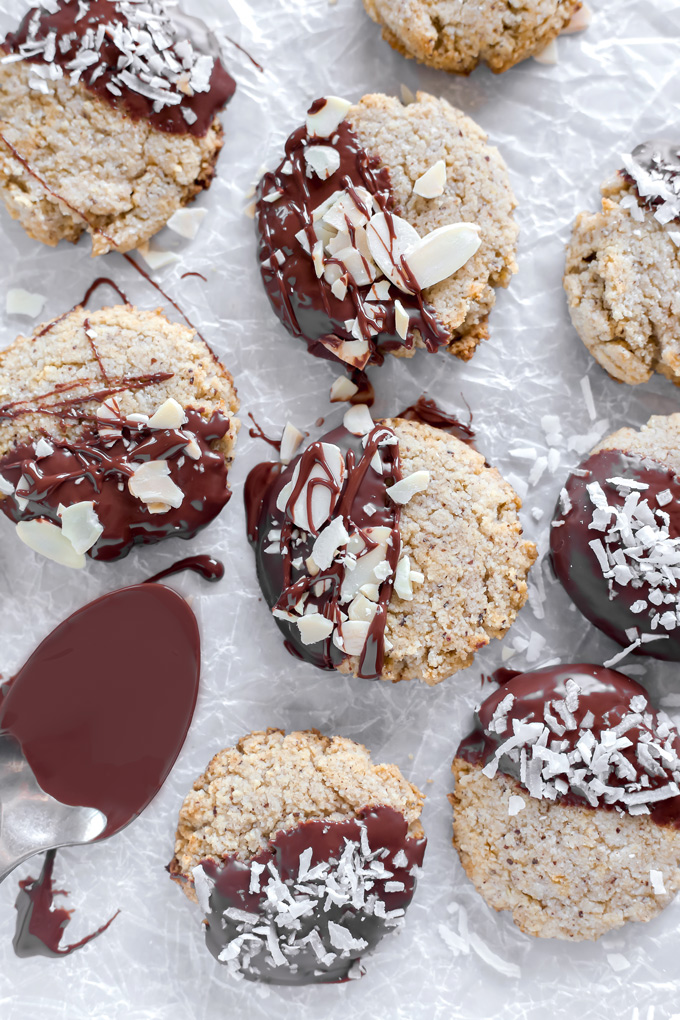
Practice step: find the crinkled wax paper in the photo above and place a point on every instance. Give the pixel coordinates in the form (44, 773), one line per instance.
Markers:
(560, 129)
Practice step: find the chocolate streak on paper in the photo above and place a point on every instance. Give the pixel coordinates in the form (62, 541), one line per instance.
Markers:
(304, 302)
(207, 567)
(427, 411)
(604, 702)
(384, 829)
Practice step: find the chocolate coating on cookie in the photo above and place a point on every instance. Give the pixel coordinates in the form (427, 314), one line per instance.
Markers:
(580, 734)
(335, 478)
(320, 896)
(129, 55)
(97, 467)
(654, 169)
(316, 294)
(615, 548)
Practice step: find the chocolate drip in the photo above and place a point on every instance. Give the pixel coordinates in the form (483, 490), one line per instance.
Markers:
(207, 567)
(257, 432)
(304, 301)
(97, 468)
(603, 703)
(40, 925)
(184, 111)
(102, 707)
(604, 602)
(360, 501)
(231, 888)
(427, 411)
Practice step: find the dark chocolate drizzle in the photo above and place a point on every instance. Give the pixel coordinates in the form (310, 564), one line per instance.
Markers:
(283, 575)
(39, 924)
(304, 302)
(384, 836)
(207, 567)
(102, 707)
(428, 411)
(93, 467)
(69, 32)
(604, 602)
(604, 702)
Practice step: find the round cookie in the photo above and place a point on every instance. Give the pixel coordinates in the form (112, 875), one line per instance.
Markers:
(615, 539)
(104, 127)
(302, 854)
(623, 269)
(386, 228)
(566, 805)
(388, 549)
(116, 428)
(456, 35)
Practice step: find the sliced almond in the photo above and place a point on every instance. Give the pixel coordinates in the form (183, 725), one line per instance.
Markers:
(389, 239)
(358, 420)
(328, 118)
(361, 608)
(80, 525)
(322, 499)
(290, 443)
(353, 352)
(22, 302)
(364, 572)
(548, 55)
(442, 252)
(401, 492)
(339, 286)
(345, 210)
(361, 270)
(187, 222)
(402, 579)
(431, 184)
(313, 628)
(380, 291)
(343, 388)
(43, 448)
(326, 545)
(580, 21)
(401, 319)
(47, 538)
(350, 637)
(152, 484)
(323, 160)
(169, 415)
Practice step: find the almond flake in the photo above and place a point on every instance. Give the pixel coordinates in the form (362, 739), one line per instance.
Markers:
(401, 492)
(431, 184)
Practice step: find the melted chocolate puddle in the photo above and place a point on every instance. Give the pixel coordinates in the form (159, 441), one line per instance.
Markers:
(102, 707)
(40, 925)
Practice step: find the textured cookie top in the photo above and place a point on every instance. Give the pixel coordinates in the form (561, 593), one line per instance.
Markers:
(397, 224)
(121, 413)
(456, 35)
(581, 734)
(622, 282)
(388, 549)
(130, 54)
(615, 540)
(272, 781)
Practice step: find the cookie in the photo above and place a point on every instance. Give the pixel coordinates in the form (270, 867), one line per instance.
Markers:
(386, 228)
(301, 852)
(623, 268)
(388, 549)
(455, 35)
(116, 428)
(566, 806)
(615, 539)
(108, 121)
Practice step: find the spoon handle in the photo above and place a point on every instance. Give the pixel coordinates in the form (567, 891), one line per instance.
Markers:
(30, 820)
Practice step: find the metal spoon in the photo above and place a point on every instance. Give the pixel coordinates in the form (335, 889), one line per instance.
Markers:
(30, 820)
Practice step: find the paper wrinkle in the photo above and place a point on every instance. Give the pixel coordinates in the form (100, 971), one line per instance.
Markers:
(560, 129)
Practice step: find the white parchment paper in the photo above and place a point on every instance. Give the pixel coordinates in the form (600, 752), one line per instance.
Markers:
(560, 129)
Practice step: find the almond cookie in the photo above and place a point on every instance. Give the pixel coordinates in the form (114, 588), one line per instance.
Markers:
(615, 539)
(455, 35)
(388, 549)
(386, 228)
(566, 806)
(108, 121)
(302, 854)
(623, 268)
(116, 428)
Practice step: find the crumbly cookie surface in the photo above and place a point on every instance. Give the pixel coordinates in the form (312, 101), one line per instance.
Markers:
(623, 286)
(131, 343)
(273, 781)
(85, 166)
(564, 871)
(463, 533)
(455, 35)
(411, 139)
(658, 439)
